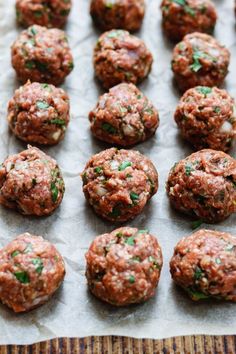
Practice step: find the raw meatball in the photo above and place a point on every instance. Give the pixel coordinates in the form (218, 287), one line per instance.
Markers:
(39, 113)
(204, 185)
(31, 182)
(42, 55)
(48, 13)
(118, 183)
(124, 116)
(122, 14)
(124, 267)
(31, 270)
(204, 265)
(121, 57)
(199, 60)
(180, 17)
(206, 118)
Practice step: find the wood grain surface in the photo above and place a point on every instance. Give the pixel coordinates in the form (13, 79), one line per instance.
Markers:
(123, 345)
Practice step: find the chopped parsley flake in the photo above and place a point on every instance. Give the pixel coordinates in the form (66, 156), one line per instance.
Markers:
(132, 279)
(15, 253)
(130, 241)
(22, 277)
(134, 197)
(108, 128)
(57, 121)
(38, 265)
(204, 90)
(54, 192)
(124, 165)
(42, 105)
(196, 224)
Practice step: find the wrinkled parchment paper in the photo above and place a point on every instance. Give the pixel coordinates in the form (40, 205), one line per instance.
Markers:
(73, 312)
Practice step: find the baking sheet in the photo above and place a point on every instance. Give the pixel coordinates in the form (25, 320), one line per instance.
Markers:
(73, 312)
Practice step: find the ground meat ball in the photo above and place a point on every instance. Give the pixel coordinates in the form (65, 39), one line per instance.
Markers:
(122, 14)
(118, 183)
(48, 13)
(31, 270)
(199, 60)
(204, 185)
(42, 55)
(181, 17)
(204, 265)
(39, 113)
(31, 183)
(124, 267)
(121, 57)
(207, 118)
(124, 116)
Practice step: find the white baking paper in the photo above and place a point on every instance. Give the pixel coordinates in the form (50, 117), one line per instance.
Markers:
(73, 312)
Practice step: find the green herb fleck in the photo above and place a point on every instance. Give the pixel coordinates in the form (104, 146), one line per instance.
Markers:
(154, 261)
(114, 34)
(134, 197)
(71, 65)
(54, 192)
(188, 169)
(115, 212)
(38, 265)
(132, 279)
(196, 295)
(38, 14)
(198, 274)
(57, 121)
(217, 109)
(143, 231)
(42, 105)
(109, 128)
(136, 259)
(196, 224)
(22, 277)
(30, 64)
(204, 90)
(33, 31)
(218, 260)
(130, 241)
(15, 253)
(34, 182)
(124, 165)
(98, 169)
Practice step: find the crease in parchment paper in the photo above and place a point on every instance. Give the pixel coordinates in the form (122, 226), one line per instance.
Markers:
(73, 311)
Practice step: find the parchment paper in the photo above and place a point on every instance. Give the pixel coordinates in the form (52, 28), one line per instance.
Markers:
(73, 312)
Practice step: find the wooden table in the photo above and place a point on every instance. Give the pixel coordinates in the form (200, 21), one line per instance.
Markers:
(123, 345)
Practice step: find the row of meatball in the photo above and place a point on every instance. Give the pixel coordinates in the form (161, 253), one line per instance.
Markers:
(180, 17)
(119, 183)
(40, 113)
(123, 268)
(43, 55)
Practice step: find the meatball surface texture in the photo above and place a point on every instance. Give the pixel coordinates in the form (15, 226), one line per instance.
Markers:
(203, 185)
(206, 118)
(119, 183)
(121, 57)
(31, 182)
(124, 116)
(121, 14)
(39, 113)
(124, 266)
(48, 13)
(199, 60)
(187, 16)
(204, 265)
(42, 55)
(31, 270)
